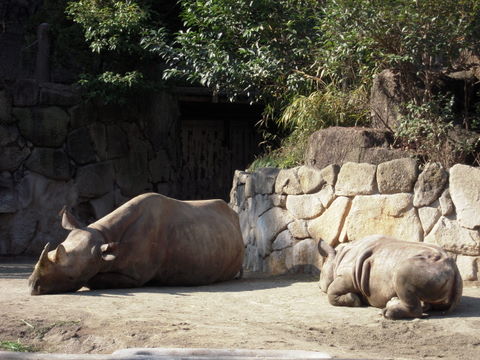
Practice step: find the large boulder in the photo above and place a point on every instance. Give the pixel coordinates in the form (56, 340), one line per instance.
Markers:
(465, 193)
(430, 184)
(339, 145)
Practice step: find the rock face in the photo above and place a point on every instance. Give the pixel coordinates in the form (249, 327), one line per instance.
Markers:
(385, 100)
(338, 145)
(281, 229)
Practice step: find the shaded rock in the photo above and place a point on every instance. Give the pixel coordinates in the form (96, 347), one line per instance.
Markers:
(95, 180)
(25, 92)
(98, 136)
(304, 255)
(264, 180)
(52, 163)
(446, 203)
(47, 127)
(58, 94)
(279, 261)
(5, 108)
(288, 182)
(82, 115)
(392, 215)
(356, 179)
(452, 237)
(465, 193)
(385, 100)
(339, 145)
(8, 201)
(80, 147)
(311, 179)
(283, 240)
(299, 229)
(329, 225)
(104, 205)
(8, 135)
(329, 174)
(12, 156)
(268, 226)
(160, 167)
(304, 206)
(468, 267)
(279, 200)
(428, 217)
(22, 114)
(430, 184)
(117, 143)
(326, 195)
(397, 176)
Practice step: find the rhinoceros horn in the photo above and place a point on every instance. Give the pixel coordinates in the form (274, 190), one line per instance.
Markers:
(44, 260)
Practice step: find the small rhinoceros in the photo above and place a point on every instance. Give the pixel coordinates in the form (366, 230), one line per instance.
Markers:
(403, 278)
(150, 239)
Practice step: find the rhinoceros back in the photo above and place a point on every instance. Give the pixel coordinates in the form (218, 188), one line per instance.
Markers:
(171, 242)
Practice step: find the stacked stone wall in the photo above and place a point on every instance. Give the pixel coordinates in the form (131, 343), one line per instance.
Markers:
(283, 213)
(57, 151)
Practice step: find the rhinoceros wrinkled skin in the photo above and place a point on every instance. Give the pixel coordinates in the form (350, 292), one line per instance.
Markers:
(401, 277)
(151, 239)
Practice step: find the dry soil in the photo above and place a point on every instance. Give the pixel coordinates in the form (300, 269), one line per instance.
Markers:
(257, 312)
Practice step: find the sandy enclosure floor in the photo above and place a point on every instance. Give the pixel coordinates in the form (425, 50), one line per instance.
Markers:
(257, 312)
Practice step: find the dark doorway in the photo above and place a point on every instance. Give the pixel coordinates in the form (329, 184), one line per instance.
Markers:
(217, 139)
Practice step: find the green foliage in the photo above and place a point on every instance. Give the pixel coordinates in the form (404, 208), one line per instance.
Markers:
(307, 114)
(363, 36)
(15, 346)
(429, 130)
(259, 49)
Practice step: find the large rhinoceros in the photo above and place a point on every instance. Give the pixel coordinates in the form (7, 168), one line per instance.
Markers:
(401, 277)
(150, 239)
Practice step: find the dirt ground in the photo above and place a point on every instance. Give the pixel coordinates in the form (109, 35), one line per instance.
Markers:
(286, 312)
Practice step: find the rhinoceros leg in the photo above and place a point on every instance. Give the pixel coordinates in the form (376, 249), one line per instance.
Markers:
(408, 304)
(340, 293)
(112, 280)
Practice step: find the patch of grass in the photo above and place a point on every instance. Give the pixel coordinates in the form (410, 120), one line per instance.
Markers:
(15, 346)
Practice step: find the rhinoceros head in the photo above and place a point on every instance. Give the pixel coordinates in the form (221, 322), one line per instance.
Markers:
(69, 266)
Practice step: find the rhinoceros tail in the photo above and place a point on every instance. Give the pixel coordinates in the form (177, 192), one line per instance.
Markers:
(457, 290)
(325, 249)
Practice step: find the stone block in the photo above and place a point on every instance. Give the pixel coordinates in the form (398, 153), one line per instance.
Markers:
(330, 173)
(356, 179)
(326, 195)
(430, 184)
(329, 225)
(452, 237)
(288, 182)
(278, 262)
(468, 267)
(264, 180)
(260, 204)
(46, 128)
(283, 240)
(12, 156)
(429, 216)
(446, 204)
(8, 135)
(299, 229)
(304, 206)
(305, 254)
(8, 201)
(392, 215)
(160, 167)
(311, 179)
(52, 163)
(104, 205)
(268, 226)
(95, 180)
(397, 176)
(80, 147)
(117, 144)
(98, 134)
(58, 94)
(25, 92)
(465, 193)
(5, 108)
(82, 115)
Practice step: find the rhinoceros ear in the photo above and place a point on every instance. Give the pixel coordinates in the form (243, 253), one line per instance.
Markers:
(69, 222)
(325, 249)
(109, 251)
(60, 255)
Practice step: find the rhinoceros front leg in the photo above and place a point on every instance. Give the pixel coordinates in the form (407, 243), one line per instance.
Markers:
(340, 293)
(111, 280)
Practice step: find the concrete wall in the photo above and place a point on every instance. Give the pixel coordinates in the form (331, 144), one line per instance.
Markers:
(283, 213)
